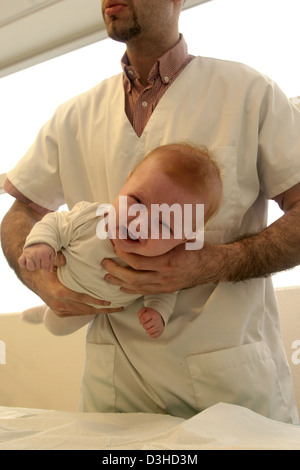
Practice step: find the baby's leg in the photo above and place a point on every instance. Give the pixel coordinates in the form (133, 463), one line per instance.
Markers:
(151, 321)
(56, 325)
(35, 314)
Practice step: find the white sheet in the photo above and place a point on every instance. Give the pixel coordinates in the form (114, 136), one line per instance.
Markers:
(222, 426)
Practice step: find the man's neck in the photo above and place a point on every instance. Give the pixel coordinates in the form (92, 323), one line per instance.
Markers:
(142, 57)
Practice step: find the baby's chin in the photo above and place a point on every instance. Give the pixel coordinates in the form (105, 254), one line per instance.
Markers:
(128, 245)
(135, 247)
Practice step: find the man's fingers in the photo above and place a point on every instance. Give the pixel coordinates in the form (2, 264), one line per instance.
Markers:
(130, 276)
(60, 259)
(143, 263)
(81, 304)
(87, 299)
(66, 312)
(71, 303)
(140, 287)
(126, 277)
(138, 282)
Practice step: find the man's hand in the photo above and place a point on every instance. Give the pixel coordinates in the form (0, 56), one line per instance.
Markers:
(176, 270)
(64, 301)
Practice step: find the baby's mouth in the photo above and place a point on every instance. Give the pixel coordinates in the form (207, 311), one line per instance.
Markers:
(131, 236)
(127, 235)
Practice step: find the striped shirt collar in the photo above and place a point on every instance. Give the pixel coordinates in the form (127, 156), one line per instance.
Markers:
(166, 67)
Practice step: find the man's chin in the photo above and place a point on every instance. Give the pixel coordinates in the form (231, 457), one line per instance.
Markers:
(119, 34)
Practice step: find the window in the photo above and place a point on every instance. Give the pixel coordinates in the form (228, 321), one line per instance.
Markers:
(261, 33)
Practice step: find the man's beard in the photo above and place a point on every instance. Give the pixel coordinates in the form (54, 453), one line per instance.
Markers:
(124, 34)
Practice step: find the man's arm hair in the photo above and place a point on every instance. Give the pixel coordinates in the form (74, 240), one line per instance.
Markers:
(275, 249)
(15, 227)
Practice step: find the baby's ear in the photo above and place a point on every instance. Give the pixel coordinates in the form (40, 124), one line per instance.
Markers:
(129, 175)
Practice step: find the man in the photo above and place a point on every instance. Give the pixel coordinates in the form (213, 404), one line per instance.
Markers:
(223, 343)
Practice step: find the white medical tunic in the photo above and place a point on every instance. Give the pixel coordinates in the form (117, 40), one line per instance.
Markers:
(223, 342)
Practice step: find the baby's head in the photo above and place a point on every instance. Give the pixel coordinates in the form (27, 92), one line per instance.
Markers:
(151, 208)
(190, 168)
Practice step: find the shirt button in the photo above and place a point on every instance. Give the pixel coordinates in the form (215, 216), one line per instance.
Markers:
(144, 104)
(166, 79)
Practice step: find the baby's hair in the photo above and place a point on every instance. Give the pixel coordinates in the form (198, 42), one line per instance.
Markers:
(190, 166)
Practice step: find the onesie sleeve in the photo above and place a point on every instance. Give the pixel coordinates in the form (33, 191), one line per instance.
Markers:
(56, 228)
(162, 303)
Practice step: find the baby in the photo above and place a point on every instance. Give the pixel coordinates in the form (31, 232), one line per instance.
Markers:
(162, 196)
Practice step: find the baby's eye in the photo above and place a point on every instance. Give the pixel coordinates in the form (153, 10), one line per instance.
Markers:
(165, 228)
(135, 198)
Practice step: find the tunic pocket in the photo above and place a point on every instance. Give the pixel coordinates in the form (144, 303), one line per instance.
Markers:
(97, 390)
(244, 375)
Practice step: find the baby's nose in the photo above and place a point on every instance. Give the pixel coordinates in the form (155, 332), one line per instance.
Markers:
(139, 225)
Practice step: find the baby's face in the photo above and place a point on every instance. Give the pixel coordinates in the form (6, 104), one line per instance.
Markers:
(140, 227)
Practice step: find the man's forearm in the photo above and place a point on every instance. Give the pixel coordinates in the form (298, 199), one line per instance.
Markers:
(15, 227)
(275, 249)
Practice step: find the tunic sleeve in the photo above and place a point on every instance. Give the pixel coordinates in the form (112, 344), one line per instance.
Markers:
(37, 174)
(279, 143)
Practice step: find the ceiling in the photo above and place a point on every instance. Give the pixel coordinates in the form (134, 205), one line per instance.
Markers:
(32, 31)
